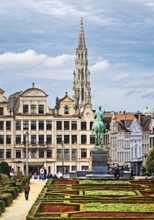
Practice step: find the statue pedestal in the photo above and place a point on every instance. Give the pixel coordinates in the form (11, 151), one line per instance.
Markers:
(99, 161)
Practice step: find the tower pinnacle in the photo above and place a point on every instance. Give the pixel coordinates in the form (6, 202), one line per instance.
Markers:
(82, 90)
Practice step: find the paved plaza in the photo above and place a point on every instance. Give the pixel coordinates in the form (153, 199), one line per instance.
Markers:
(20, 207)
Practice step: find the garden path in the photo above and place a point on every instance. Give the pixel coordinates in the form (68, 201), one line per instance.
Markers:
(20, 207)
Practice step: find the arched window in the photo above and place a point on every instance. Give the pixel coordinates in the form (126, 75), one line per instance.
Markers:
(66, 110)
(78, 74)
(82, 94)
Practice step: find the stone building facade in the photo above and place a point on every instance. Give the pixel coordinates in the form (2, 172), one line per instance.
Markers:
(60, 139)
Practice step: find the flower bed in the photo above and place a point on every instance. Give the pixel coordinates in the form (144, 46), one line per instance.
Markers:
(122, 215)
(59, 208)
(100, 199)
(65, 182)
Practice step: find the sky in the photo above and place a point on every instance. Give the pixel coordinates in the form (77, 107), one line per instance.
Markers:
(38, 40)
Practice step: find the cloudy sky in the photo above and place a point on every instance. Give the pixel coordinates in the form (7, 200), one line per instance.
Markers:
(38, 39)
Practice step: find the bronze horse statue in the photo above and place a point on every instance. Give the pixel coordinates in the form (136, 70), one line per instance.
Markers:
(98, 127)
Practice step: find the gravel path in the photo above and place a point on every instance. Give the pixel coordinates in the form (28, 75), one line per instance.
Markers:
(20, 207)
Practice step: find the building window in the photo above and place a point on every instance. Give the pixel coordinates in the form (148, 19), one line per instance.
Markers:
(8, 153)
(59, 139)
(33, 109)
(1, 125)
(1, 139)
(41, 109)
(67, 154)
(66, 139)
(8, 125)
(74, 125)
(18, 139)
(41, 125)
(33, 153)
(73, 168)
(59, 125)
(8, 139)
(41, 153)
(49, 125)
(41, 139)
(66, 110)
(82, 94)
(33, 139)
(1, 111)
(49, 139)
(18, 153)
(83, 139)
(91, 124)
(83, 125)
(59, 153)
(83, 153)
(1, 153)
(74, 153)
(74, 139)
(33, 125)
(84, 167)
(49, 153)
(92, 139)
(66, 125)
(18, 125)
(25, 109)
(25, 125)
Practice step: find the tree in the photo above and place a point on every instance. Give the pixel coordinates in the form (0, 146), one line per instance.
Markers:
(5, 168)
(150, 161)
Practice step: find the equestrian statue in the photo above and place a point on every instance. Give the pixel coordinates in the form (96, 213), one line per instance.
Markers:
(98, 127)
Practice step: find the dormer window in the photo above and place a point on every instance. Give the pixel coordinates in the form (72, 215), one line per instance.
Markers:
(25, 109)
(1, 111)
(41, 109)
(66, 110)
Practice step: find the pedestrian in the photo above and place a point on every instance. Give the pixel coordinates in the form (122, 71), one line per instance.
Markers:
(42, 173)
(45, 173)
(26, 190)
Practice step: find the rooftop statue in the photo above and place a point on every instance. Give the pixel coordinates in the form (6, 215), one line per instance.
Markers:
(98, 127)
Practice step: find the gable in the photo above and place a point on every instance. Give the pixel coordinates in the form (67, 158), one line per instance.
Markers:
(135, 126)
(34, 92)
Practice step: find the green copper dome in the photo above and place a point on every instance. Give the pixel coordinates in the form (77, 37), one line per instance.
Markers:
(147, 111)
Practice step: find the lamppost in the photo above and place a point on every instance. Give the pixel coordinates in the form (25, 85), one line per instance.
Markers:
(27, 152)
(62, 144)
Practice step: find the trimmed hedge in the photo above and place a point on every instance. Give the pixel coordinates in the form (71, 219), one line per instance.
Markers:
(13, 191)
(2, 206)
(7, 198)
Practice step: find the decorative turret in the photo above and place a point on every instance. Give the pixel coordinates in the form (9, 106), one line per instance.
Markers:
(82, 90)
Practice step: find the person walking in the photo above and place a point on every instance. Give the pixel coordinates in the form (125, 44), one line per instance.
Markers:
(42, 173)
(26, 190)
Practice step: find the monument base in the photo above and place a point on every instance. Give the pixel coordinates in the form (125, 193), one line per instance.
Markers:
(99, 161)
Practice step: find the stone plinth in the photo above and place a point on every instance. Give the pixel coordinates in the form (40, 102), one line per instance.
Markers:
(99, 161)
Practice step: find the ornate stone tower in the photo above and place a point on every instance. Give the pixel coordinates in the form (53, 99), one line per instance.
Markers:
(81, 88)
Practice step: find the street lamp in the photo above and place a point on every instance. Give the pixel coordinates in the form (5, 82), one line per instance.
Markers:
(62, 144)
(27, 135)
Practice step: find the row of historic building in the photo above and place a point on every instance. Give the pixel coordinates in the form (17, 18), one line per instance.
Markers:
(61, 137)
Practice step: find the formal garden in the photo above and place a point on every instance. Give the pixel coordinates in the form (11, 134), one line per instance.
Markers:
(94, 199)
(10, 187)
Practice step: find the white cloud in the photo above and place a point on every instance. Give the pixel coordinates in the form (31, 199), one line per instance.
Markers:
(122, 77)
(25, 59)
(100, 67)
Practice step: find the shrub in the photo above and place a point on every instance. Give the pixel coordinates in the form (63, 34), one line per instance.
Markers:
(7, 198)
(13, 191)
(2, 206)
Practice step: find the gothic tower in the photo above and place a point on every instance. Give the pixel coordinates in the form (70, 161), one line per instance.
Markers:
(82, 90)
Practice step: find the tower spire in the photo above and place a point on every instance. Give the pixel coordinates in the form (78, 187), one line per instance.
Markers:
(82, 90)
(81, 41)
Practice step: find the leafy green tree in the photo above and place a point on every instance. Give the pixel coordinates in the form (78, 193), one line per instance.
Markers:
(5, 168)
(150, 161)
